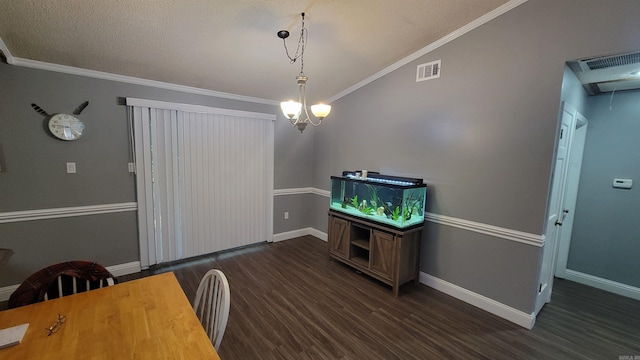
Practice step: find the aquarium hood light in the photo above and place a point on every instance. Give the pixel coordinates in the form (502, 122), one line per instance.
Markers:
(292, 109)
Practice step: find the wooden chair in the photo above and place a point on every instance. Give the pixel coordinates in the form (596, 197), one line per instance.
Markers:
(60, 280)
(212, 305)
(69, 285)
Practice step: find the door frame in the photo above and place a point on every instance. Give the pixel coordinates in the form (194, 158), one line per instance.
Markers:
(555, 214)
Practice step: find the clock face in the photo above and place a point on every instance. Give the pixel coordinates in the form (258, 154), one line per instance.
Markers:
(66, 127)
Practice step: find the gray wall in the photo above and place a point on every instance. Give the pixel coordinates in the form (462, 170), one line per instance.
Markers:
(482, 135)
(606, 230)
(34, 172)
(573, 92)
(293, 169)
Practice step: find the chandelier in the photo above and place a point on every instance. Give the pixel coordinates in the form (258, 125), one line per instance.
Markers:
(294, 110)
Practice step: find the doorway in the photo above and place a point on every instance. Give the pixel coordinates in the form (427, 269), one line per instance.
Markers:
(598, 237)
(601, 249)
(564, 188)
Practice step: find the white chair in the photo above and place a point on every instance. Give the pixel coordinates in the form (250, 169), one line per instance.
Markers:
(212, 305)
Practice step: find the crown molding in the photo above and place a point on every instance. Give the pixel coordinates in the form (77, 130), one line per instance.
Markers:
(431, 47)
(199, 91)
(40, 65)
(6, 52)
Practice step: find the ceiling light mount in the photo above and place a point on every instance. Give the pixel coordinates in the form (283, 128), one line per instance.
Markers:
(292, 109)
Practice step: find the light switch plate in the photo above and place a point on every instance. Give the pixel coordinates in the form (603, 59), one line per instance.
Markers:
(622, 183)
(71, 168)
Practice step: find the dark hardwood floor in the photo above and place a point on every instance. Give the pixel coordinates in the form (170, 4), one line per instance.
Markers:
(288, 301)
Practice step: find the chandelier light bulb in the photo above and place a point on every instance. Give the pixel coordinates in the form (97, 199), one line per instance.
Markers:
(320, 111)
(291, 109)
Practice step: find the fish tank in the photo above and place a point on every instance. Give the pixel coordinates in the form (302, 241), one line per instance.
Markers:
(385, 199)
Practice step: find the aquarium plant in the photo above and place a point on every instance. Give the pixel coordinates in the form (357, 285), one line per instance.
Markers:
(395, 215)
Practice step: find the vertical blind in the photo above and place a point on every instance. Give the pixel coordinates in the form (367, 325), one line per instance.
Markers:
(204, 179)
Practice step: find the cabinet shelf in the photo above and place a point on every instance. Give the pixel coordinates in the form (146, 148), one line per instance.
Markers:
(360, 261)
(361, 243)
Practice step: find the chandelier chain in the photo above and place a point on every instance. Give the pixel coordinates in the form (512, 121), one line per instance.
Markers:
(299, 54)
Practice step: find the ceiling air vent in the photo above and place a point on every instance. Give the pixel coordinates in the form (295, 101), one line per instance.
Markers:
(609, 61)
(428, 71)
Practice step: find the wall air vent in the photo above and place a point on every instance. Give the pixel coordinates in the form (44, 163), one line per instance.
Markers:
(428, 71)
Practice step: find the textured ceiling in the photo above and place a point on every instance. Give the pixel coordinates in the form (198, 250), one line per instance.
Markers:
(231, 45)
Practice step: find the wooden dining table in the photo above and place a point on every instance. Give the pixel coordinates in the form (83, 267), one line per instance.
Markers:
(148, 318)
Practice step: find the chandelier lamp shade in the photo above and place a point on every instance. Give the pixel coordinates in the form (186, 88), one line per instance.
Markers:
(296, 111)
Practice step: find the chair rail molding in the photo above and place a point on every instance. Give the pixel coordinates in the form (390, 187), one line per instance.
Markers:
(41, 214)
(491, 230)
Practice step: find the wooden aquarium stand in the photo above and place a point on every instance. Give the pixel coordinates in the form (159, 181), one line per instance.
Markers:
(383, 252)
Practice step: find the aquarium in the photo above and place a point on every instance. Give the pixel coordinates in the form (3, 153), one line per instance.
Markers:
(391, 200)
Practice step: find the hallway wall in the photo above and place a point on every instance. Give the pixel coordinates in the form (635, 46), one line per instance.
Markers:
(606, 228)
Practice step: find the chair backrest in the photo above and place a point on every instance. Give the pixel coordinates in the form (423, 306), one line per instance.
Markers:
(59, 280)
(69, 285)
(212, 305)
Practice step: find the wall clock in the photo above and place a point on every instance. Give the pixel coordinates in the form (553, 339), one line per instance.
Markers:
(64, 126)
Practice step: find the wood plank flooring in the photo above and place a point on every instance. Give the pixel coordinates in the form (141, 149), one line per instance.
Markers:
(288, 301)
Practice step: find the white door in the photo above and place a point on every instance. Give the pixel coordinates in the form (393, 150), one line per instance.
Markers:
(571, 193)
(556, 211)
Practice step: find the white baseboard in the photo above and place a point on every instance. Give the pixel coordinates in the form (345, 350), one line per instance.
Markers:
(300, 232)
(317, 233)
(5, 292)
(506, 312)
(603, 284)
(116, 270)
(125, 269)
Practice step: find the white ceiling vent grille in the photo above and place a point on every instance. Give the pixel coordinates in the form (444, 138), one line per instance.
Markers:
(609, 61)
(428, 71)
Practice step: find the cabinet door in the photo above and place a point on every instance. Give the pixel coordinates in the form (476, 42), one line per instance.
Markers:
(383, 253)
(339, 237)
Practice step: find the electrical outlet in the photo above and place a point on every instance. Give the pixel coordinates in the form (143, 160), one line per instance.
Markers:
(286, 215)
(132, 167)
